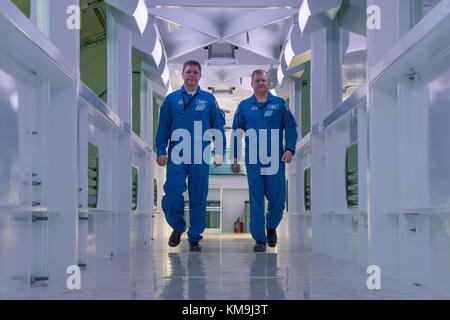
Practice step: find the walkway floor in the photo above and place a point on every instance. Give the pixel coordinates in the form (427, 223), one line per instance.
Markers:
(225, 269)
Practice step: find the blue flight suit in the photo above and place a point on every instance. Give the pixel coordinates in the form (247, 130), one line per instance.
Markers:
(179, 111)
(272, 114)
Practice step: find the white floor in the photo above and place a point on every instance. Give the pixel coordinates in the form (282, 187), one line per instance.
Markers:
(225, 269)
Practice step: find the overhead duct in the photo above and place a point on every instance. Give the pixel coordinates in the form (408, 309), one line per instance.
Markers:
(220, 54)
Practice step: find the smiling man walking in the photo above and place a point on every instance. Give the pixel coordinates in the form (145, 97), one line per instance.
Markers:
(188, 109)
(266, 113)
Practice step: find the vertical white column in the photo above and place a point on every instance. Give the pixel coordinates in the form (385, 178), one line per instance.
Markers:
(363, 145)
(326, 94)
(150, 160)
(119, 98)
(148, 106)
(294, 172)
(39, 14)
(83, 138)
(63, 181)
(397, 17)
(51, 18)
(147, 196)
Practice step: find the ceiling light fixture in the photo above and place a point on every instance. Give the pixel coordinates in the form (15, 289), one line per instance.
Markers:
(170, 89)
(141, 16)
(303, 15)
(165, 75)
(288, 53)
(157, 52)
(280, 74)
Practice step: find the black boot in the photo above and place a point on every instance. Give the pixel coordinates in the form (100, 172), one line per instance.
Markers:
(259, 247)
(194, 246)
(272, 237)
(175, 238)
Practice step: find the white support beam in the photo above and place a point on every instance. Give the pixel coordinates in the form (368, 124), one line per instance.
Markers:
(385, 126)
(132, 14)
(63, 182)
(67, 41)
(238, 72)
(149, 44)
(246, 85)
(213, 74)
(315, 15)
(326, 94)
(295, 169)
(119, 98)
(187, 18)
(259, 44)
(62, 145)
(255, 20)
(185, 40)
(225, 4)
(353, 16)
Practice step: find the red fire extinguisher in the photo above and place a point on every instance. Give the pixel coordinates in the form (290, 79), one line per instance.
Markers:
(238, 226)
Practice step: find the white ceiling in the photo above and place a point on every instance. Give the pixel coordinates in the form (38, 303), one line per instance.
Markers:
(257, 28)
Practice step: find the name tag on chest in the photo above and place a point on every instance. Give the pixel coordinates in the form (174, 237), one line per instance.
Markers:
(268, 113)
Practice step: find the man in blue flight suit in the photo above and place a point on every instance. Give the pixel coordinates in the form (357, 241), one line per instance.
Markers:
(186, 109)
(267, 112)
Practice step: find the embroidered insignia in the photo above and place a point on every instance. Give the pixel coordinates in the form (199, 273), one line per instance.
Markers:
(254, 108)
(273, 107)
(201, 105)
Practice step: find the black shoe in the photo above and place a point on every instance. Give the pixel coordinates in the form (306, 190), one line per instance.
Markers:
(175, 238)
(272, 237)
(259, 247)
(194, 246)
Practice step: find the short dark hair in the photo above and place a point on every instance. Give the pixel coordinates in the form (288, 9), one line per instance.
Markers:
(192, 63)
(260, 71)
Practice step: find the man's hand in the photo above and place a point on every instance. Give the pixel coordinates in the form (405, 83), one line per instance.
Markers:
(162, 160)
(235, 167)
(287, 157)
(218, 160)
